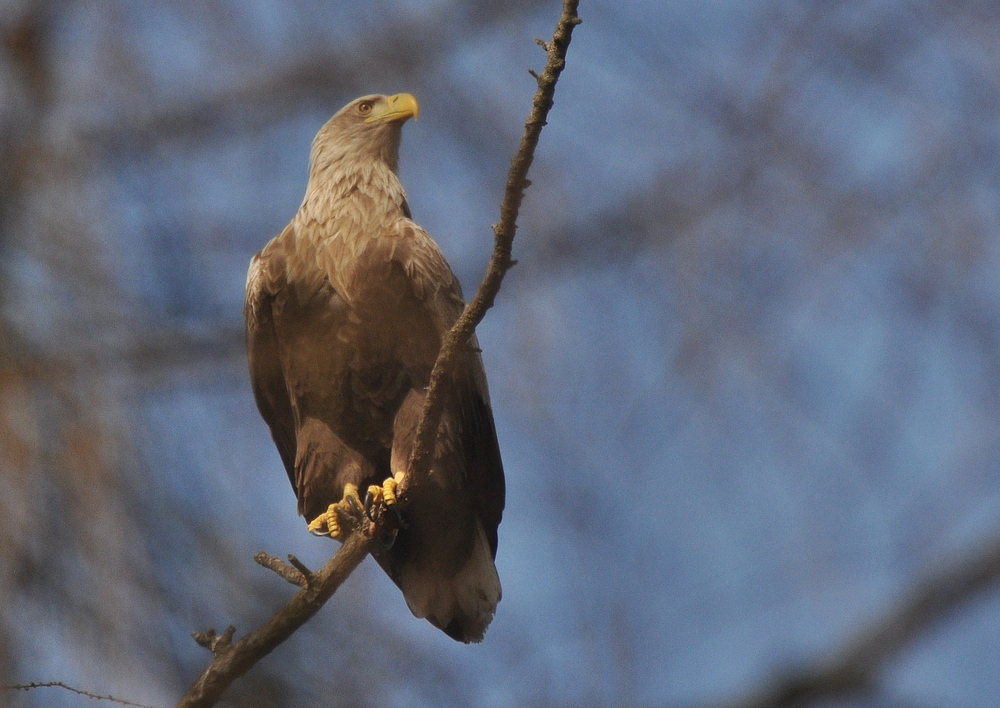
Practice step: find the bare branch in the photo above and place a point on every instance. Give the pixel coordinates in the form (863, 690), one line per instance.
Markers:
(855, 668)
(302, 568)
(234, 660)
(59, 684)
(500, 262)
(292, 575)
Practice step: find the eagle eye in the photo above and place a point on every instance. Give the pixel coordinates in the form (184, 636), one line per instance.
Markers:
(365, 107)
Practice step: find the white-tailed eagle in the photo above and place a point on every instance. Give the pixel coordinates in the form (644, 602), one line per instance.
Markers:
(345, 312)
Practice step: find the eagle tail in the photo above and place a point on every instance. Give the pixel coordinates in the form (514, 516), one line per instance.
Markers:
(462, 606)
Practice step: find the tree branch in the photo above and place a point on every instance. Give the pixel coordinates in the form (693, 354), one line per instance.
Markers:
(296, 574)
(500, 262)
(855, 668)
(232, 660)
(59, 684)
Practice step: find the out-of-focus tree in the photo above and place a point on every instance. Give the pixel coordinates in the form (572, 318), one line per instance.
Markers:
(745, 374)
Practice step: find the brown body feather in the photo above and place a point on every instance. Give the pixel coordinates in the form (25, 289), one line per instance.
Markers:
(346, 310)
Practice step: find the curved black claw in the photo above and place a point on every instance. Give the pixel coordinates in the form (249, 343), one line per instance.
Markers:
(369, 503)
(388, 539)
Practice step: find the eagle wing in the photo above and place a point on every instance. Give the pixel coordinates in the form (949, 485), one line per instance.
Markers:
(265, 279)
(435, 284)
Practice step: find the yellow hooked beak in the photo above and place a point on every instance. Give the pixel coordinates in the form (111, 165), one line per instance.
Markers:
(398, 107)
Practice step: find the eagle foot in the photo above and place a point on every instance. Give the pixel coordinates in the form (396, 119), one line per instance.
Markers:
(340, 519)
(385, 495)
(382, 499)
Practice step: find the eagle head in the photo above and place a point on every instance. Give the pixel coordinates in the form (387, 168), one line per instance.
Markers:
(365, 131)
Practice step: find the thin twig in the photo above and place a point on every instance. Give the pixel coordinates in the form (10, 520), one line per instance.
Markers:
(307, 574)
(500, 262)
(60, 684)
(215, 643)
(292, 575)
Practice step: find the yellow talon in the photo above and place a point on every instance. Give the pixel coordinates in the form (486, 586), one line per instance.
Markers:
(389, 488)
(385, 494)
(329, 522)
(326, 524)
(319, 526)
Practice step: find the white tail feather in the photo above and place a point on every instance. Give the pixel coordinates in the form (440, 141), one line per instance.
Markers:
(462, 605)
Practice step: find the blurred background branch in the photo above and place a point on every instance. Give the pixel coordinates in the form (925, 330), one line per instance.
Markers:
(759, 283)
(856, 669)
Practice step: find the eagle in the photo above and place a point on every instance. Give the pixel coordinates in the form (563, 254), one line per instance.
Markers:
(346, 310)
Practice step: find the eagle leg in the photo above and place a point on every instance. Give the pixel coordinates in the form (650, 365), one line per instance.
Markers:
(341, 518)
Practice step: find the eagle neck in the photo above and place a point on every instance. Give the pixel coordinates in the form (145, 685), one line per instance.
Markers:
(356, 198)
